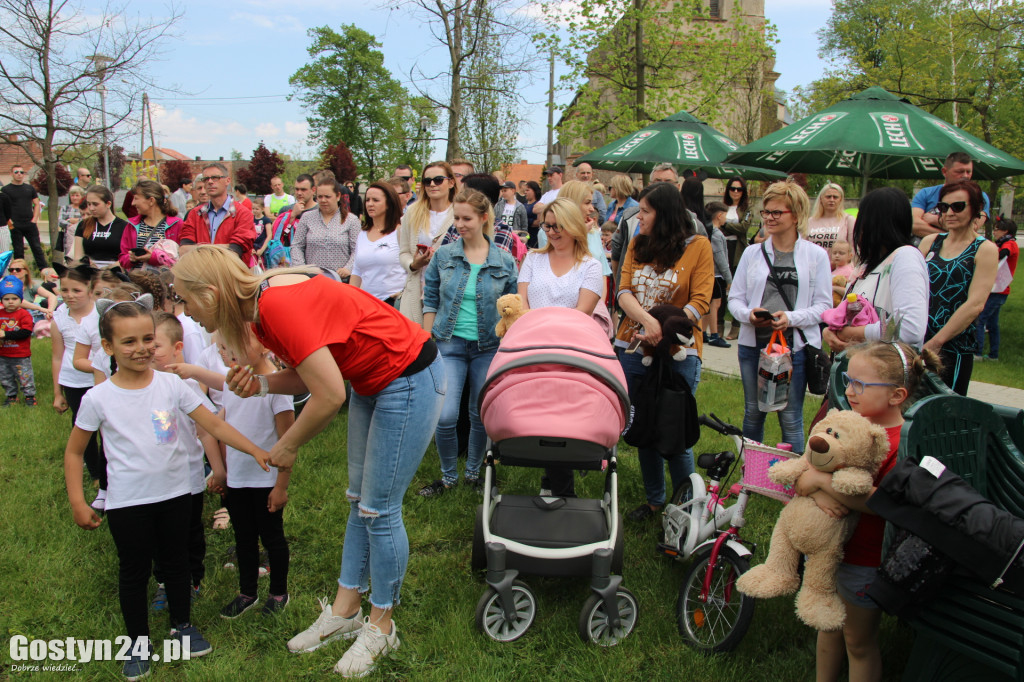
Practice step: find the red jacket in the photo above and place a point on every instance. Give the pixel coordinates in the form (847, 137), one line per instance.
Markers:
(237, 228)
(130, 237)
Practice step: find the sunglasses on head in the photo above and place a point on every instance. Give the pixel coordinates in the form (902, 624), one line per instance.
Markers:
(957, 206)
(436, 180)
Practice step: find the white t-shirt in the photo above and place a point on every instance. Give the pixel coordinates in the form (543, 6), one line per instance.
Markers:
(254, 418)
(209, 358)
(549, 196)
(196, 453)
(98, 358)
(69, 376)
(439, 221)
(378, 266)
(732, 215)
(193, 338)
(145, 438)
(547, 290)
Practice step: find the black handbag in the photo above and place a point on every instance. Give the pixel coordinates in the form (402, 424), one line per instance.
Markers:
(817, 365)
(663, 412)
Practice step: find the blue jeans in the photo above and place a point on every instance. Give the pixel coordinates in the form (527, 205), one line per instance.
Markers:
(791, 419)
(989, 319)
(388, 432)
(462, 357)
(652, 462)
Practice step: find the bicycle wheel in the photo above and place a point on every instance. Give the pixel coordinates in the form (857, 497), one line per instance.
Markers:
(719, 623)
(593, 622)
(490, 616)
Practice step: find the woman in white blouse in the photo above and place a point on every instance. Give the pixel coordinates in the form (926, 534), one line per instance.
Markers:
(327, 237)
(376, 269)
(423, 227)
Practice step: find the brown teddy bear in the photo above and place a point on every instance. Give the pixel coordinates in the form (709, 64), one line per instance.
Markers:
(510, 307)
(852, 449)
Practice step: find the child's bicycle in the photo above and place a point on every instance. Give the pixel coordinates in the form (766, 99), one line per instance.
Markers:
(711, 613)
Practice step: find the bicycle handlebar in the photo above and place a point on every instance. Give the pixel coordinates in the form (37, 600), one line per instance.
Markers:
(716, 424)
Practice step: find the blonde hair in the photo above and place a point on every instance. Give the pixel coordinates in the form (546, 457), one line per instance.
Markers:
(418, 215)
(26, 274)
(899, 363)
(819, 209)
(576, 190)
(570, 218)
(218, 281)
(795, 198)
(622, 186)
(480, 204)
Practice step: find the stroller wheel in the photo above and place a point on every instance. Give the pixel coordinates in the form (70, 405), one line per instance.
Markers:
(594, 626)
(490, 613)
(478, 557)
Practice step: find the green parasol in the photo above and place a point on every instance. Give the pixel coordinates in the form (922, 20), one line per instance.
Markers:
(874, 134)
(679, 139)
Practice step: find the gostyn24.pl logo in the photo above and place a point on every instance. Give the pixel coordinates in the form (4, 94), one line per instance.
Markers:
(63, 654)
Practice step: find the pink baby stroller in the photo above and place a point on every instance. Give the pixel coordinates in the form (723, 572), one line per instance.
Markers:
(555, 396)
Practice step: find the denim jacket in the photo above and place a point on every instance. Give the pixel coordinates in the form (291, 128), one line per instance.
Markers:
(445, 284)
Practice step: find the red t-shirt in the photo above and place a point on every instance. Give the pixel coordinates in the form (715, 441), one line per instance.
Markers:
(19, 320)
(865, 545)
(372, 342)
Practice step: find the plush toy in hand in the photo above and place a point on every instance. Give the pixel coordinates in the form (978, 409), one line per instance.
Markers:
(510, 307)
(851, 448)
(676, 334)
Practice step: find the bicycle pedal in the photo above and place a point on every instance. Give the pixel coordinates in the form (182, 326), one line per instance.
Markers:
(668, 550)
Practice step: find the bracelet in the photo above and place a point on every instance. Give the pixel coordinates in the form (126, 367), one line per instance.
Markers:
(264, 385)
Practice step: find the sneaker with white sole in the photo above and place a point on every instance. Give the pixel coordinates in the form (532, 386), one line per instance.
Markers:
(326, 629)
(370, 645)
(100, 503)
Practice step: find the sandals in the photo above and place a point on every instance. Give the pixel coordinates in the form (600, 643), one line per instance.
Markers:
(221, 519)
(433, 489)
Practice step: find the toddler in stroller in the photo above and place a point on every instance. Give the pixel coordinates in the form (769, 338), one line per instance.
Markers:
(555, 395)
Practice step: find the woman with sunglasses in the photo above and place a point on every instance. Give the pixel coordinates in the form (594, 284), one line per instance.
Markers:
(423, 227)
(961, 270)
(803, 276)
(738, 222)
(666, 262)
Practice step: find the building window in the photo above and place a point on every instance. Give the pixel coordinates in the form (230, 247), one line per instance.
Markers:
(715, 9)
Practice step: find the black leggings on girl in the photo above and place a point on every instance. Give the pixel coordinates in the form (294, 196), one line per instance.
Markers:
(196, 545)
(253, 522)
(144, 533)
(95, 461)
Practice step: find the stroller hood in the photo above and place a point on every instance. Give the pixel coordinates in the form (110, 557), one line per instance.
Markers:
(555, 374)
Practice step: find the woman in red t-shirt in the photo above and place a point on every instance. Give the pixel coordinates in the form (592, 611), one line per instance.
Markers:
(879, 379)
(327, 332)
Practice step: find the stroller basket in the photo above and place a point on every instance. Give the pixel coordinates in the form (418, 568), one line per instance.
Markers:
(546, 451)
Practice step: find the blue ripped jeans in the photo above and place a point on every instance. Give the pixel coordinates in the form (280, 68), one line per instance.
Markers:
(652, 462)
(462, 357)
(791, 418)
(388, 433)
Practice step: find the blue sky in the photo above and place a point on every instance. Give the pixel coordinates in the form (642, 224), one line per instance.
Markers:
(234, 60)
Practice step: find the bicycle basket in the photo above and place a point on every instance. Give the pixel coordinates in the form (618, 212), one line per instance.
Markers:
(758, 458)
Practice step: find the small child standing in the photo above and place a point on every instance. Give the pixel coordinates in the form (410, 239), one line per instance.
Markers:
(842, 260)
(723, 276)
(255, 497)
(138, 412)
(879, 380)
(15, 344)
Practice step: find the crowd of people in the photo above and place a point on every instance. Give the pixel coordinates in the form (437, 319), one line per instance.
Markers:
(387, 298)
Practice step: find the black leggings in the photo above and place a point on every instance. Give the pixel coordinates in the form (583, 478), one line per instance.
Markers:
(956, 370)
(144, 533)
(253, 522)
(95, 460)
(196, 545)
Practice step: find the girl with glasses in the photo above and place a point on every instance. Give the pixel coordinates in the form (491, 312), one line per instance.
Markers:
(961, 270)
(423, 227)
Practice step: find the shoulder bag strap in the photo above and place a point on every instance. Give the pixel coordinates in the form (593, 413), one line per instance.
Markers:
(778, 287)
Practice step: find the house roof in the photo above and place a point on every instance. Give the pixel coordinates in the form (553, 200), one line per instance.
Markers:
(524, 171)
(164, 154)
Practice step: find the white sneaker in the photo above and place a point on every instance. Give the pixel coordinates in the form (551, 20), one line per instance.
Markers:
(327, 628)
(100, 503)
(371, 644)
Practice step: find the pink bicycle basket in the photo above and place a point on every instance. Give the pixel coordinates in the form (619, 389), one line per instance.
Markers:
(758, 458)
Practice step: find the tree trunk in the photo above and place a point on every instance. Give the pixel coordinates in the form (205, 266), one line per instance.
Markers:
(455, 48)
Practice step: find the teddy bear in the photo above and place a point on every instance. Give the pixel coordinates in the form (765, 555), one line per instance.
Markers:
(852, 449)
(676, 334)
(510, 307)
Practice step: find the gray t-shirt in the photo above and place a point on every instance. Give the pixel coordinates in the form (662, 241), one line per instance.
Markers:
(771, 300)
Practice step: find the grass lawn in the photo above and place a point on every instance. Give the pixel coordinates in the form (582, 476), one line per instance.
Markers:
(1009, 369)
(58, 581)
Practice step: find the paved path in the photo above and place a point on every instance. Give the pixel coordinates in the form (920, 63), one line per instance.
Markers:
(723, 361)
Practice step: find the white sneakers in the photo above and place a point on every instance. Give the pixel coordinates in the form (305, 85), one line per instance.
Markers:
(361, 657)
(327, 628)
(370, 645)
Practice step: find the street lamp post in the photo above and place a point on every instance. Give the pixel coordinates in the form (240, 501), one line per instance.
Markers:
(100, 61)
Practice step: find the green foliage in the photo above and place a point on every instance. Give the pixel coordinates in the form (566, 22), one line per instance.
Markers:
(351, 97)
(264, 165)
(633, 62)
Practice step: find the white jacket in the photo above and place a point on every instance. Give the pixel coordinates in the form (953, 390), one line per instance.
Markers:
(813, 297)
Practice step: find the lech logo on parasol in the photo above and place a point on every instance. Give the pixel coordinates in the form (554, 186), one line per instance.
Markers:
(727, 142)
(894, 131)
(689, 146)
(633, 142)
(812, 128)
(955, 134)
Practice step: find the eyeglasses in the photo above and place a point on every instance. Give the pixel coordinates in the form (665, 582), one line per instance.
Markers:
(18, 172)
(86, 175)
(208, 178)
(16, 269)
(774, 215)
(859, 386)
(551, 228)
(458, 175)
(438, 179)
(735, 189)
(407, 178)
(957, 206)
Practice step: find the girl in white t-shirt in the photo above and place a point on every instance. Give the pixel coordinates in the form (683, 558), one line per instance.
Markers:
(139, 412)
(254, 497)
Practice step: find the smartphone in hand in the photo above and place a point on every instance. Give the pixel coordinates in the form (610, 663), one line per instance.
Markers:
(763, 315)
